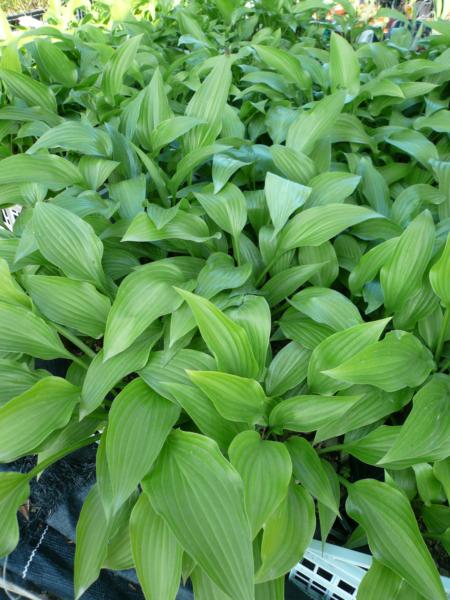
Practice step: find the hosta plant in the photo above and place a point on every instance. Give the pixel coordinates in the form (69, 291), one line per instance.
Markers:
(234, 230)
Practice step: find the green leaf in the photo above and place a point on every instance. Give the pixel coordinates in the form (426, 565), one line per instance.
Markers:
(332, 188)
(227, 209)
(390, 524)
(139, 422)
(316, 225)
(200, 495)
(156, 552)
(309, 471)
(102, 375)
(228, 341)
(294, 165)
(438, 121)
(284, 283)
(28, 419)
(91, 540)
(288, 369)
(312, 125)
(424, 436)
(266, 470)
(220, 274)
(10, 290)
(76, 250)
(371, 448)
(204, 588)
(155, 108)
(75, 136)
(208, 104)
(401, 276)
(327, 517)
(223, 169)
(344, 66)
(415, 144)
(183, 226)
(284, 63)
(169, 130)
(379, 581)
(23, 331)
(50, 170)
(369, 265)
(33, 92)
(287, 534)
(308, 413)
(14, 491)
(336, 349)
(55, 64)
(327, 306)
(283, 198)
(117, 67)
(16, 378)
(399, 360)
(235, 398)
(76, 304)
(440, 275)
(143, 297)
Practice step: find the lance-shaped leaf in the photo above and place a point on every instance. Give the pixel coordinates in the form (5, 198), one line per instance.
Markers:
(14, 491)
(55, 64)
(208, 104)
(399, 360)
(169, 130)
(23, 331)
(200, 495)
(50, 170)
(75, 136)
(91, 540)
(332, 188)
(76, 304)
(309, 471)
(266, 470)
(10, 290)
(308, 413)
(204, 587)
(16, 377)
(102, 375)
(76, 250)
(155, 108)
(223, 169)
(191, 161)
(33, 92)
(369, 265)
(294, 165)
(235, 398)
(287, 534)
(424, 436)
(286, 64)
(227, 209)
(139, 422)
(283, 284)
(327, 306)
(389, 522)
(228, 341)
(440, 275)
(156, 552)
(327, 517)
(318, 224)
(379, 581)
(283, 198)
(312, 125)
(371, 448)
(344, 66)
(336, 349)
(117, 67)
(220, 274)
(28, 419)
(401, 276)
(143, 297)
(287, 370)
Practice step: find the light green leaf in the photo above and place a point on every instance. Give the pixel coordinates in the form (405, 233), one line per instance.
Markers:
(438, 121)
(155, 108)
(95, 170)
(266, 470)
(139, 422)
(228, 341)
(10, 290)
(76, 304)
(284, 283)
(183, 226)
(316, 225)
(379, 581)
(220, 274)
(227, 209)
(324, 255)
(390, 524)
(50, 170)
(313, 124)
(332, 188)
(371, 448)
(235, 398)
(16, 378)
(223, 169)
(75, 136)
(200, 495)
(309, 471)
(283, 198)
(27, 420)
(117, 67)
(204, 588)
(415, 144)
(169, 130)
(286, 64)
(440, 275)
(327, 306)
(102, 375)
(369, 265)
(399, 360)
(76, 250)
(308, 413)
(424, 436)
(55, 64)
(401, 276)
(336, 349)
(287, 534)
(23, 331)
(287, 370)
(292, 164)
(14, 491)
(33, 92)
(156, 552)
(344, 66)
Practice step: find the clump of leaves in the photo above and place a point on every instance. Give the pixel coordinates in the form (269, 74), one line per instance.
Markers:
(235, 231)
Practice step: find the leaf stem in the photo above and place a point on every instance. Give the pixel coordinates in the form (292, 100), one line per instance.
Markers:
(328, 449)
(236, 250)
(75, 340)
(266, 270)
(444, 327)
